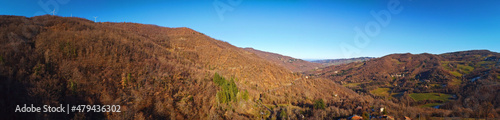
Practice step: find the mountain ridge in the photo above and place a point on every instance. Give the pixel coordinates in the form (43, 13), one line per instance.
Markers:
(465, 76)
(293, 64)
(330, 62)
(153, 72)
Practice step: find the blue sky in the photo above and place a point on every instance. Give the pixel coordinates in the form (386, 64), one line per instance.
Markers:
(308, 29)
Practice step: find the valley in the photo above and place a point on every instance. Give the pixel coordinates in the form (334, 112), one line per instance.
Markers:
(445, 81)
(158, 72)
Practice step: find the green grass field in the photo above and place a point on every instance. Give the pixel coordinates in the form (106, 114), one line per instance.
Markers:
(430, 96)
(351, 84)
(396, 61)
(359, 65)
(445, 65)
(430, 105)
(461, 65)
(381, 91)
(434, 85)
(455, 73)
(465, 68)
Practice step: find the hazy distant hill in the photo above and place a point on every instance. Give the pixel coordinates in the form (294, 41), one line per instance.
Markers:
(329, 62)
(465, 82)
(293, 64)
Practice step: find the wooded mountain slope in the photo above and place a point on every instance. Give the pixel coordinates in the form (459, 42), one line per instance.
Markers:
(469, 79)
(154, 73)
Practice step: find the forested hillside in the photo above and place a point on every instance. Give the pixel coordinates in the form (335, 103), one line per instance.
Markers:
(466, 82)
(154, 73)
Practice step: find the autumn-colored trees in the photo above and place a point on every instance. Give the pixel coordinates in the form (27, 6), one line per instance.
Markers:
(173, 73)
(49, 60)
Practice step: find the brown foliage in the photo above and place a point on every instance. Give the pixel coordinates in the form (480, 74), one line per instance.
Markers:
(152, 72)
(422, 73)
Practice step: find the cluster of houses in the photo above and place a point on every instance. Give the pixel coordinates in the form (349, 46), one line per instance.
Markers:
(398, 75)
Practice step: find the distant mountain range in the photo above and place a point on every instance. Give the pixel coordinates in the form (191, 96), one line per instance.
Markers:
(465, 81)
(330, 62)
(293, 64)
(299, 65)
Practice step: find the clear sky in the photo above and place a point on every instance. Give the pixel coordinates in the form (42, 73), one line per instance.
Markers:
(308, 29)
